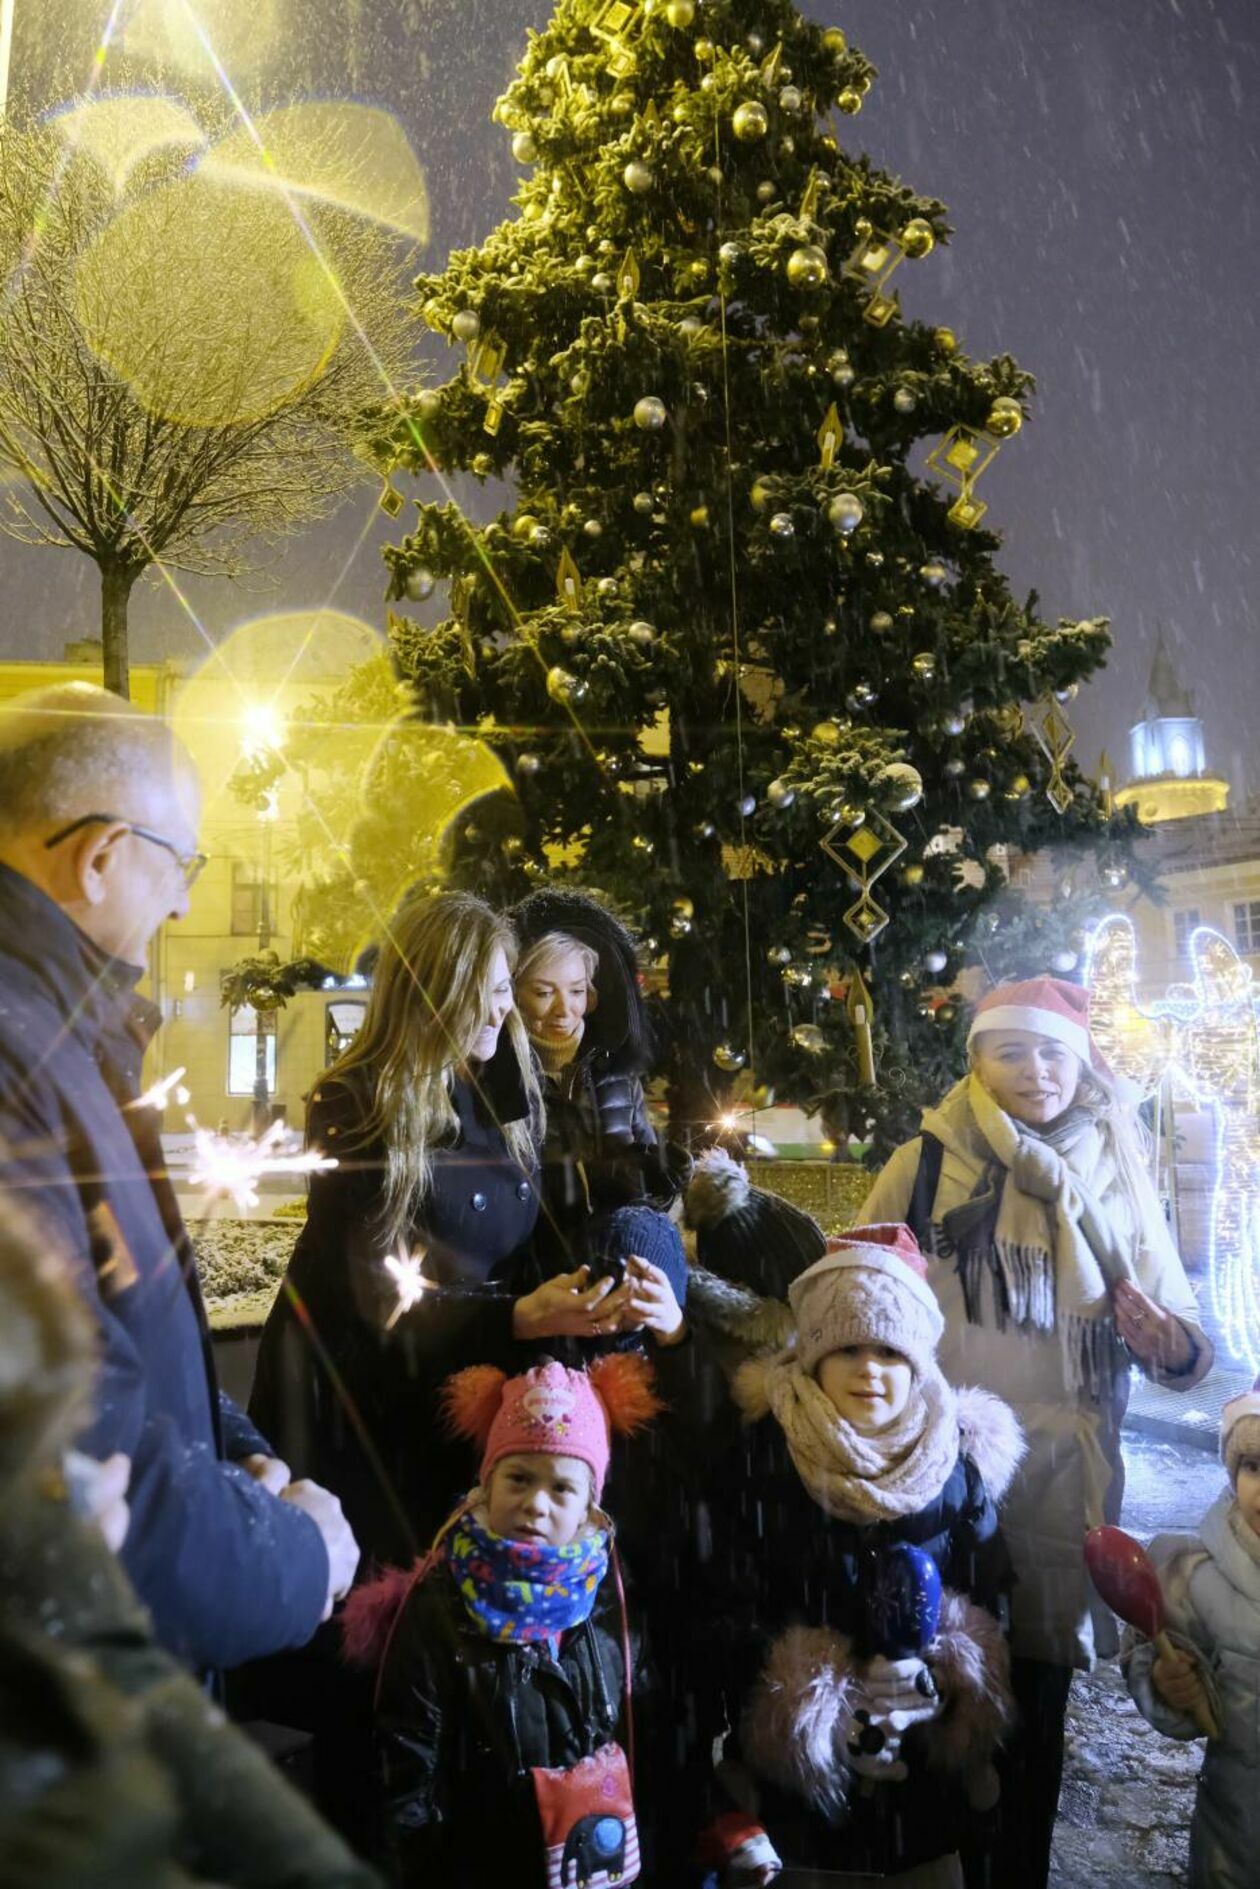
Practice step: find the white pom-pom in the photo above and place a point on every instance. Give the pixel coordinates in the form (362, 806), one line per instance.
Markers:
(718, 1186)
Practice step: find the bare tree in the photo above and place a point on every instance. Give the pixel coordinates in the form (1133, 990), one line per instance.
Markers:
(143, 426)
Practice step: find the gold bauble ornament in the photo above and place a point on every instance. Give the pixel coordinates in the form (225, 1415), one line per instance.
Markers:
(466, 325)
(419, 584)
(850, 101)
(979, 789)
(881, 623)
(1019, 788)
(1005, 418)
(728, 1058)
(809, 1037)
(703, 50)
(836, 41)
(524, 150)
(918, 238)
(637, 176)
(913, 875)
(807, 267)
(750, 121)
(946, 340)
(564, 687)
(680, 13)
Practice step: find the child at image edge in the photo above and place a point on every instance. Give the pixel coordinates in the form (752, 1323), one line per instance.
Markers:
(1211, 1587)
(502, 1700)
(865, 1721)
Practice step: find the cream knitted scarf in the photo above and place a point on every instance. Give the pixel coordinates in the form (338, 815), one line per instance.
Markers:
(855, 1477)
(1033, 1245)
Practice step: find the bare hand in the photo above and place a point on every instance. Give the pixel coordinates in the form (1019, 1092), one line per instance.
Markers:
(343, 1550)
(269, 1470)
(1154, 1336)
(99, 1493)
(567, 1307)
(651, 1304)
(1178, 1684)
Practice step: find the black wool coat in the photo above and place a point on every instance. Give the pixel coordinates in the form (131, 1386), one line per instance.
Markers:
(349, 1391)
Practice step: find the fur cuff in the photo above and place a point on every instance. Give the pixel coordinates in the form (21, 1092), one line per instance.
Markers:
(991, 1435)
(718, 1186)
(750, 1387)
(732, 1311)
(796, 1725)
(971, 1664)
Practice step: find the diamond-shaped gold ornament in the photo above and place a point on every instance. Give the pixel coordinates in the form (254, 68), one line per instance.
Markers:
(863, 852)
(866, 919)
(1056, 738)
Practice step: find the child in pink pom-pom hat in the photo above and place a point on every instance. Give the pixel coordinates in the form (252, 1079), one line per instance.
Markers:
(503, 1689)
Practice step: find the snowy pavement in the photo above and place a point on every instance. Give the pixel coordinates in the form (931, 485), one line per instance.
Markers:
(1124, 1816)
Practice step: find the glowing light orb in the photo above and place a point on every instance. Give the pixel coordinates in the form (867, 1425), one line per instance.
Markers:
(208, 301)
(354, 156)
(117, 132)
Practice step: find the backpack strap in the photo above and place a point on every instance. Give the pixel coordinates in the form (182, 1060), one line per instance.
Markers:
(923, 1194)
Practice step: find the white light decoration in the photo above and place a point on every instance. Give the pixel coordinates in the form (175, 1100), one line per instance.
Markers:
(230, 1167)
(1203, 1038)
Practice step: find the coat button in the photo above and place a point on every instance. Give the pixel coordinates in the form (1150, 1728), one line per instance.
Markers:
(522, 1190)
(478, 1203)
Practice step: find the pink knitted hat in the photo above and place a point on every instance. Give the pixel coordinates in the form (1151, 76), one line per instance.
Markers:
(1240, 1429)
(870, 1288)
(1045, 1005)
(551, 1410)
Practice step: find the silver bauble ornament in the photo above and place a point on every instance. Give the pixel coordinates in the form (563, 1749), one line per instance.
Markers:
(901, 786)
(524, 150)
(924, 665)
(905, 400)
(637, 176)
(466, 324)
(649, 414)
(419, 584)
(779, 955)
(934, 962)
(728, 1058)
(564, 687)
(641, 633)
(809, 1037)
(933, 573)
(845, 512)
(780, 795)
(790, 99)
(782, 526)
(979, 789)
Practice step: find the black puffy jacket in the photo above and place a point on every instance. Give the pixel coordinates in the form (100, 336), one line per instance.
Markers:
(462, 1719)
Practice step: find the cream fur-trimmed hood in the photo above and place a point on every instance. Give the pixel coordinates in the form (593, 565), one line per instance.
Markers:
(992, 1436)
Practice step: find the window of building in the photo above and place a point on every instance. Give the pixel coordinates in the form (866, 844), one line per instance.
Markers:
(342, 1022)
(247, 888)
(1183, 924)
(1247, 928)
(243, 1030)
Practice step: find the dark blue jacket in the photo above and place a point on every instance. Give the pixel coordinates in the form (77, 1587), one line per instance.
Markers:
(228, 1572)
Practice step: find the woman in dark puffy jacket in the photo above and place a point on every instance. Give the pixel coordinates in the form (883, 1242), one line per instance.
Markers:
(606, 1188)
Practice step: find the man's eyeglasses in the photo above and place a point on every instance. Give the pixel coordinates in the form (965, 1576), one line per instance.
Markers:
(190, 864)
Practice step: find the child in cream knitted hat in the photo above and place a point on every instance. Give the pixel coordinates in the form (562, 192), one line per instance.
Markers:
(874, 1683)
(1211, 1586)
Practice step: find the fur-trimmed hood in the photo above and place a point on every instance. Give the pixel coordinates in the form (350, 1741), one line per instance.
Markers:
(992, 1436)
(801, 1714)
(618, 1023)
(735, 1313)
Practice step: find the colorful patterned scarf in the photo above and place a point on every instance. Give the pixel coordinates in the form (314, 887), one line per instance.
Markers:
(525, 1590)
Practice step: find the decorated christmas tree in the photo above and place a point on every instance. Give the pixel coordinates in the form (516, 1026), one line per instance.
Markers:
(741, 642)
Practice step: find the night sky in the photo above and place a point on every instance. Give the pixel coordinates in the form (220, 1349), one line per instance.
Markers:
(1100, 162)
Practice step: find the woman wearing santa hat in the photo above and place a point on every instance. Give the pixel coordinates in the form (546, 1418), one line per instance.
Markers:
(1055, 1271)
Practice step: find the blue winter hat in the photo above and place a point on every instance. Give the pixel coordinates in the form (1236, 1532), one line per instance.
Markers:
(648, 1234)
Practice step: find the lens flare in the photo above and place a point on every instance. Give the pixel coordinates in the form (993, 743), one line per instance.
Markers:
(354, 156)
(118, 132)
(244, 35)
(206, 299)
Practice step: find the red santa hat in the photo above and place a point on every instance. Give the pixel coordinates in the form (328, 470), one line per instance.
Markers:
(1046, 1006)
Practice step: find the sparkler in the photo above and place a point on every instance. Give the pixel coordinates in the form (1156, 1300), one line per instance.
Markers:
(160, 1094)
(407, 1272)
(230, 1167)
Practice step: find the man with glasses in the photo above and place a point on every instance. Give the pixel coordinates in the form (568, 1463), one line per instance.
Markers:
(98, 846)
